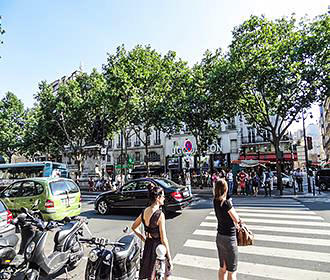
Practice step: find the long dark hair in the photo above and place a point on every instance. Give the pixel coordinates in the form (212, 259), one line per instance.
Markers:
(154, 192)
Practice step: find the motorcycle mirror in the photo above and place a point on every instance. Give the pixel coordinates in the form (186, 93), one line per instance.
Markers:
(36, 203)
(24, 210)
(126, 229)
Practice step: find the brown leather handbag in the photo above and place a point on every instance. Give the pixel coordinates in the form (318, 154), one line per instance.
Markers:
(244, 236)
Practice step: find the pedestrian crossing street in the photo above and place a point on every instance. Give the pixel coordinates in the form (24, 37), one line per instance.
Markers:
(291, 242)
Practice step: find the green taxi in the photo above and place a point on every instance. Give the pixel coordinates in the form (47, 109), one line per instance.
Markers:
(57, 197)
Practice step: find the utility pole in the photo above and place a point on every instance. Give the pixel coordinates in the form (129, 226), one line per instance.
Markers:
(306, 156)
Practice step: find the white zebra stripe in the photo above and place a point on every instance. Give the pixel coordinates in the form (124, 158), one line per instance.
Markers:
(269, 205)
(253, 269)
(280, 215)
(280, 222)
(265, 251)
(274, 238)
(278, 211)
(277, 229)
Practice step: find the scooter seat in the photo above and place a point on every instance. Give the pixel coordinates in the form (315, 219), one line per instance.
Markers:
(8, 241)
(123, 252)
(61, 234)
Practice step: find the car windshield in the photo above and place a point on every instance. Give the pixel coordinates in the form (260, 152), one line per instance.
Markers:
(167, 183)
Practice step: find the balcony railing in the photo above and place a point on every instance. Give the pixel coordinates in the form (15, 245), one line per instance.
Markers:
(253, 140)
(153, 158)
(157, 142)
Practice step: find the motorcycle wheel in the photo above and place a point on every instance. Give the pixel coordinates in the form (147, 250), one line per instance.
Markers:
(31, 274)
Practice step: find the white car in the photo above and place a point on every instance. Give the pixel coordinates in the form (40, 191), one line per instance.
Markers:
(287, 181)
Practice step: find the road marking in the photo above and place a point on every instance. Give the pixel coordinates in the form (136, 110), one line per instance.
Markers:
(265, 251)
(294, 212)
(272, 208)
(277, 229)
(280, 215)
(280, 222)
(274, 238)
(270, 205)
(253, 269)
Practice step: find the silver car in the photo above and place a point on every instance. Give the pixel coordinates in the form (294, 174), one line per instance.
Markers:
(287, 181)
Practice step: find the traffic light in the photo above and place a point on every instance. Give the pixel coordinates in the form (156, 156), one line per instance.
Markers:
(309, 142)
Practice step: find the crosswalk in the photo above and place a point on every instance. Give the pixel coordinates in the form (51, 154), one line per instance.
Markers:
(291, 242)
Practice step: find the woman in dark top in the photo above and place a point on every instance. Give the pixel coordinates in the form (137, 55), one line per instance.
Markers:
(153, 220)
(226, 240)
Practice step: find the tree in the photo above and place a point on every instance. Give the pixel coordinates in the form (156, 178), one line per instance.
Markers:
(203, 107)
(12, 120)
(278, 69)
(67, 117)
(141, 83)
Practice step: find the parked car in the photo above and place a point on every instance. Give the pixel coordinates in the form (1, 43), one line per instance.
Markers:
(322, 179)
(5, 218)
(287, 181)
(58, 197)
(134, 194)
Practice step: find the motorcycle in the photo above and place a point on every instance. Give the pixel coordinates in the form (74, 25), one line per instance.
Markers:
(68, 251)
(12, 262)
(120, 262)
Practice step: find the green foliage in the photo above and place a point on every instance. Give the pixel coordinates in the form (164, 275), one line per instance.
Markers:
(12, 120)
(280, 69)
(202, 106)
(66, 117)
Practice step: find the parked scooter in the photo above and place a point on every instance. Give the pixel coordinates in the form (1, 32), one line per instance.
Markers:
(121, 261)
(68, 251)
(12, 262)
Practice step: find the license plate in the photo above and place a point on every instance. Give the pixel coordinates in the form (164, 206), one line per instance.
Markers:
(185, 193)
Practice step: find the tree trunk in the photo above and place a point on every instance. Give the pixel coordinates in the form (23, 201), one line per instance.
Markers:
(147, 156)
(126, 156)
(278, 164)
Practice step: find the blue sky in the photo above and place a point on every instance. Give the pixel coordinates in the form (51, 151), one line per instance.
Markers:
(46, 39)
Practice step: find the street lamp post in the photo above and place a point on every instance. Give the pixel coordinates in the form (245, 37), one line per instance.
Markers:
(306, 156)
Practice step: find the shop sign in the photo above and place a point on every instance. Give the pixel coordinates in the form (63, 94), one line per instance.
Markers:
(189, 149)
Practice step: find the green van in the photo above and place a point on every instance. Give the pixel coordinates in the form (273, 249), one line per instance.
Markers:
(58, 197)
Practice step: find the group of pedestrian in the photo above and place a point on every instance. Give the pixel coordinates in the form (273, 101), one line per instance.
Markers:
(298, 178)
(249, 182)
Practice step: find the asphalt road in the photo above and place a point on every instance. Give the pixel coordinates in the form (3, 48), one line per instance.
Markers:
(292, 238)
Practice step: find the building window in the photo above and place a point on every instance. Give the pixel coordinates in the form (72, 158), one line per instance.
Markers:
(129, 142)
(137, 140)
(157, 138)
(120, 140)
(148, 139)
(137, 156)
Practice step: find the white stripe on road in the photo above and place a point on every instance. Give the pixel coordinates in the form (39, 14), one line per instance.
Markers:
(277, 229)
(253, 269)
(280, 215)
(265, 251)
(179, 278)
(274, 238)
(278, 211)
(272, 208)
(269, 205)
(280, 222)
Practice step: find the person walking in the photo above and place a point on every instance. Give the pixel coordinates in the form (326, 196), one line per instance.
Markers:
(153, 220)
(226, 240)
(230, 179)
(242, 176)
(255, 183)
(300, 179)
